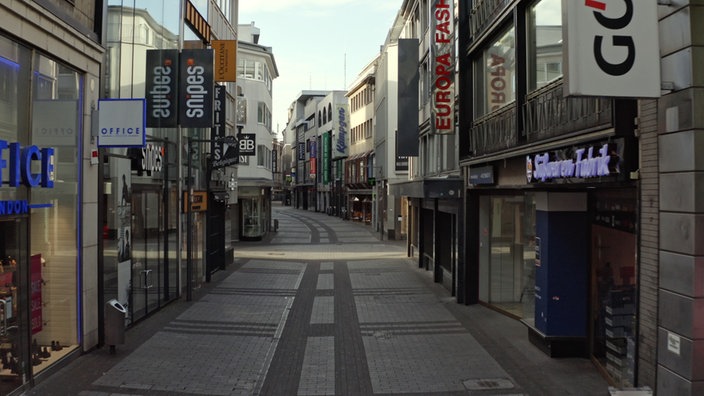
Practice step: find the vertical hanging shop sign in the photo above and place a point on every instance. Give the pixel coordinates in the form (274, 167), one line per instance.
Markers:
(408, 132)
(612, 48)
(225, 55)
(196, 88)
(443, 95)
(161, 89)
(340, 130)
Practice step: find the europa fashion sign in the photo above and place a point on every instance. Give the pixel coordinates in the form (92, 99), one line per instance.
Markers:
(612, 48)
(443, 67)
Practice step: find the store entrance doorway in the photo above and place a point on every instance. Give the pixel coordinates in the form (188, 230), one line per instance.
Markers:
(147, 251)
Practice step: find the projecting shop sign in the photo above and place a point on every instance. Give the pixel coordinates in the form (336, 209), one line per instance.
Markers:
(161, 90)
(121, 123)
(196, 88)
(612, 48)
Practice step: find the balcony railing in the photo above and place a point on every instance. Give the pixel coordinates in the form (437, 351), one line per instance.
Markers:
(495, 132)
(547, 113)
(483, 13)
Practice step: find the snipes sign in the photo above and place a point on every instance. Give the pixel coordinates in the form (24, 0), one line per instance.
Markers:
(612, 48)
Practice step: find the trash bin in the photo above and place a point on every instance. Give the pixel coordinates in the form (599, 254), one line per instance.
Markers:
(115, 314)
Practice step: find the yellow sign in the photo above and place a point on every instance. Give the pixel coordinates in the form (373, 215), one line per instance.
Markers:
(200, 201)
(225, 53)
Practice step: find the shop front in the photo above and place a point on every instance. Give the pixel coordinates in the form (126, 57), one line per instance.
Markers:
(40, 266)
(558, 251)
(255, 211)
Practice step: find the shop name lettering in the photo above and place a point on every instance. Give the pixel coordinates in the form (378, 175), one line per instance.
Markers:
(342, 131)
(444, 95)
(161, 91)
(613, 24)
(581, 167)
(20, 163)
(195, 91)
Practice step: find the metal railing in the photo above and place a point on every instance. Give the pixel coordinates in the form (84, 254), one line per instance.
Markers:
(547, 113)
(483, 14)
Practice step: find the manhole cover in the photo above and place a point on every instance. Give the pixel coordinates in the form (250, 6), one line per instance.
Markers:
(488, 384)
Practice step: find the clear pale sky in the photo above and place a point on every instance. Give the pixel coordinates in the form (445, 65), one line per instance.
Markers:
(309, 40)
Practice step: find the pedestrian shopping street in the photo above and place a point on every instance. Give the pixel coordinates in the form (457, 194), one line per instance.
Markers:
(324, 307)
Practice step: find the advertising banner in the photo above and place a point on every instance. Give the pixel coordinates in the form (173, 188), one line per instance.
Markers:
(612, 48)
(340, 128)
(407, 137)
(196, 88)
(443, 64)
(161, 88)
(225, 53)
(121, 122)
(223, 154)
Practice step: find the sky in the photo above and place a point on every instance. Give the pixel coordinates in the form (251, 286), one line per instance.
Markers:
(315, 41)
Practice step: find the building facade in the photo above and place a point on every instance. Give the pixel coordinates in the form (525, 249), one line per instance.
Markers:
(50, 64)
(432, 193)
(580, 211)
(165, 206)
(256, 69)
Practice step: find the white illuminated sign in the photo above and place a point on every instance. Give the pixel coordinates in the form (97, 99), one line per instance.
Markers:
(612, 48)
(586, 164)
(122, 123)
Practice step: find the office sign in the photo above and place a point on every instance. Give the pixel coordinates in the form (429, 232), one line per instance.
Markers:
(55, 122)
(122, 122)
(612, 48)
(196, 88)
(225, 54)
(443, 39)
(247, 143)
(161, 89)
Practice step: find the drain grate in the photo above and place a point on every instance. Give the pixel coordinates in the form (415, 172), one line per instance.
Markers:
(488, 384)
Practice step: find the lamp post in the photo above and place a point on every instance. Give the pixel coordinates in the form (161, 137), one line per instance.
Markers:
(189, 213)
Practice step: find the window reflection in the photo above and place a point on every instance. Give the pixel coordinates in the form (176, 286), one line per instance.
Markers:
(545, 43)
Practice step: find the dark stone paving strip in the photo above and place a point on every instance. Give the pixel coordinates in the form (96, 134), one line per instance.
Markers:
(351, 369)
(239, 333)
(312, 223)
(285, 370)
(322, 330)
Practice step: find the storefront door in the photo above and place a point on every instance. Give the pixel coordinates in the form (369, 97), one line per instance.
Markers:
(147, 249)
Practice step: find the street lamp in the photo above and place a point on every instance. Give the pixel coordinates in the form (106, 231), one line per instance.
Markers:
(189, 214)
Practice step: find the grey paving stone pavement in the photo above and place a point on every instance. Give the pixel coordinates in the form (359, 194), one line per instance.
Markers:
(323, 307)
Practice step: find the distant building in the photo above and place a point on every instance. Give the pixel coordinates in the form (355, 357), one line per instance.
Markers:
(256, 68)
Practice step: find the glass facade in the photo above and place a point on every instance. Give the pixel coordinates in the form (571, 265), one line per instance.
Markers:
(39, 220)
(545, 43)
(495, 74)
(141, 185)
(507, 254)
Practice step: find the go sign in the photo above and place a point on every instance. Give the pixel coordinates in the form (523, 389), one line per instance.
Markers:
(247, 144)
